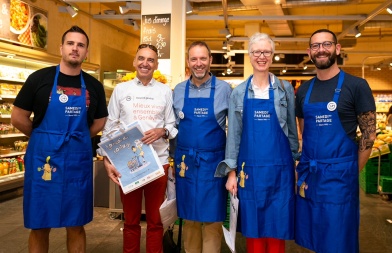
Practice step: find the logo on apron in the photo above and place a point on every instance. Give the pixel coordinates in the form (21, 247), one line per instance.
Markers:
(181, 115)
(47, 176)
(331, 106)
(242, 175)
(262, 115)
(63, 98)
(302, 189)
(182, 167)
(200, 112)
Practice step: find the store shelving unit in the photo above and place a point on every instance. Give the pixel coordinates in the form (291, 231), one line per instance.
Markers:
(13, 180)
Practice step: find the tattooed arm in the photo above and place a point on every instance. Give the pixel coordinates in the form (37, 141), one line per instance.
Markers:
(367, 125)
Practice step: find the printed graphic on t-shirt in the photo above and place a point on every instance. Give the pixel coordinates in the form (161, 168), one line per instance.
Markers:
(144, 108)
(69, 91)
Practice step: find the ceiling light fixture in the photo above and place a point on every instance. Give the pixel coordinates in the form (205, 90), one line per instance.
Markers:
(226, 32)
(224, 45)
(305, 67)
(188, 7)
(357, 32)
(284, 70)
(277, 57)
(131, 22)
(72, 11)
(129, 6)
(389, 9)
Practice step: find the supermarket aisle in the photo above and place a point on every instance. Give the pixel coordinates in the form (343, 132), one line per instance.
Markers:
(104, 235)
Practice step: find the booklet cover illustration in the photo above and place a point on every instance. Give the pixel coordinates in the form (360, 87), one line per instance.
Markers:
(137, 162)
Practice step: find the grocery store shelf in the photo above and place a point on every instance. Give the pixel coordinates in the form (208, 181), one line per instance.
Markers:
(11, 181)
(12, 80)
(8, 116)
(5, 96)
(11, 135)
(12, 154)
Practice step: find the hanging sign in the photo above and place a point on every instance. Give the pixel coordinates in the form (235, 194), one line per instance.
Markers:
(156, 31)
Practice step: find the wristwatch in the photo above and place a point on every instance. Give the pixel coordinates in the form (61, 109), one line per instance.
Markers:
(166, 133)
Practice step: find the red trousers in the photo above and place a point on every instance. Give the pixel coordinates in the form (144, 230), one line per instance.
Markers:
(265, 245)
(154, 194)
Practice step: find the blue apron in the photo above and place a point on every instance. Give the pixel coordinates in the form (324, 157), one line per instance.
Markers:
(200, 147)
(58, 188)
(266, 172)
(327, 213)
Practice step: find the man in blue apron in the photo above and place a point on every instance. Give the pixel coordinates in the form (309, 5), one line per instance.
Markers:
(69, 106)
(329, 108)
(262, 144)
(201, 105)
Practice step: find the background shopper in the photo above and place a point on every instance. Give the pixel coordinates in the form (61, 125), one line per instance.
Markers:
(329, 108)
(69, 107)
(262, 144)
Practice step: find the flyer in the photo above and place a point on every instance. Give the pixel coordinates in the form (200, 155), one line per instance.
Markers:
(231, 233)
(137, 162)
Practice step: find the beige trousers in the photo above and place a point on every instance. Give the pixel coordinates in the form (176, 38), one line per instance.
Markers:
(202, 237)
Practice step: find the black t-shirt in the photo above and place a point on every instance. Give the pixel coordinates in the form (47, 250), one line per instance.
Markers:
(35, 93)
(355, 98)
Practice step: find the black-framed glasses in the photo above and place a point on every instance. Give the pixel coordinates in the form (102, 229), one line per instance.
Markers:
(326, 45)
(258, 53)
(152, 47)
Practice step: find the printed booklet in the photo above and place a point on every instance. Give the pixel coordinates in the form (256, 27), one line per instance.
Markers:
(137, 162)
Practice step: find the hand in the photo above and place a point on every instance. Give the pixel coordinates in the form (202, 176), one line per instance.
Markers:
(152, 135)
(113, 173)
(231, 184)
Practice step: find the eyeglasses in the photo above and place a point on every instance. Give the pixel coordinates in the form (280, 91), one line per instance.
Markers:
(259, 53)
(152, 47)
(326, 45)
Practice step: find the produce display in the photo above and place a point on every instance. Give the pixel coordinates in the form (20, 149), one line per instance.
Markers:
(39, 30)
(6, 108)
(9, 89)
(11, 165)
(8, 129)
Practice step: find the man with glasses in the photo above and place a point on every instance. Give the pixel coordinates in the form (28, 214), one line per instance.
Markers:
(201, 104)
(329, 108)
(262, 144)
(150, 102)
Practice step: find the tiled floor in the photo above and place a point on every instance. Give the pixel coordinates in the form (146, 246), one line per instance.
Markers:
(104, 234)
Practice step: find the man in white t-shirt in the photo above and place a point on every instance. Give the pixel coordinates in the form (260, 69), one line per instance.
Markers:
(150, 102)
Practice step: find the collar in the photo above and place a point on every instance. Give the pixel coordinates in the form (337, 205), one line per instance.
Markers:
(206, 84)
(271, 76)
(138, 82)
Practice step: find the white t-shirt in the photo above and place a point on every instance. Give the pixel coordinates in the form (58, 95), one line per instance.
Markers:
(151, 105)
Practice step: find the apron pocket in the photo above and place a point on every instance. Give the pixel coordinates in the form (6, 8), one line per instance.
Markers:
(336, 183)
